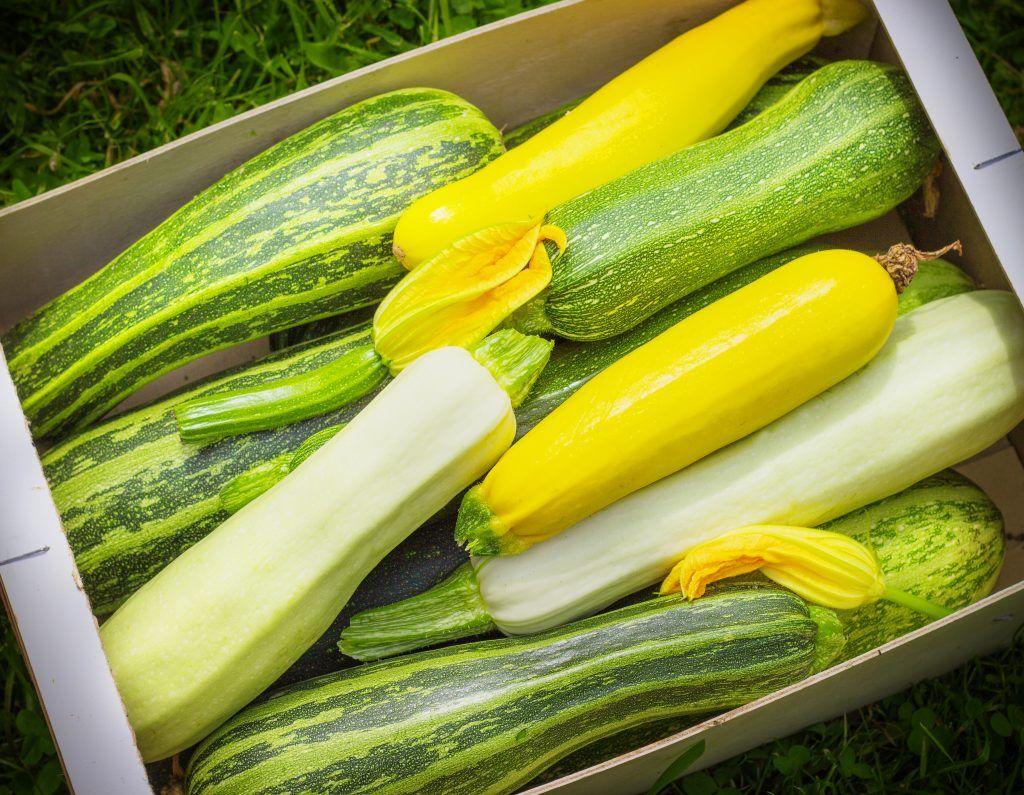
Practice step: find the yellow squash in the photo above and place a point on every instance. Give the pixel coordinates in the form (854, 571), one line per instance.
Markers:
(685, 92)
(711, 379)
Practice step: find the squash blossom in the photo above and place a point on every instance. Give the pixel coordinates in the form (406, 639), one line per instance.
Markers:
(825, 568)
(463, 293)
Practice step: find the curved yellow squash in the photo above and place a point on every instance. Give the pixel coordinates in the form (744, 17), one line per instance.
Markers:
(711, 379)
(685, 92)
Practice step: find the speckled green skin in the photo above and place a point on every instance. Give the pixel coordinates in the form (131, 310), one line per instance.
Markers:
(941, 539)
(845, 145)
(484, 718)
(301, 231)
(133, 496)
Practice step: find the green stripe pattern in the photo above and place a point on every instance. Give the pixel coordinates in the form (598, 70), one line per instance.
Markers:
(845, 145)
(133, 496)
(301, 231)
(486, 717)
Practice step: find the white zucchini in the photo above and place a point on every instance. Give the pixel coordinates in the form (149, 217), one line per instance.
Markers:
(230, 615)
(947, 384)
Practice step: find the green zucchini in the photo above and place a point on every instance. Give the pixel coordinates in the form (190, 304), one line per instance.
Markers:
(133, 496)
(487, 717)
(301, 231)
(846, 145)
(941, 539)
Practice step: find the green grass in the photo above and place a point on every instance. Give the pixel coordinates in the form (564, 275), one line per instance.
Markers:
(84, 85)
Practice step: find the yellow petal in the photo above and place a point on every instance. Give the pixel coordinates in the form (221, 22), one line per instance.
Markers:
(465, 292)
(825, 568)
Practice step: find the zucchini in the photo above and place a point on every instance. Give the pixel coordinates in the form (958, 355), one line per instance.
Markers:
(845, 145)
(941, 539)
(686, 91)
(776, 88)
(224, 620)
(133, 497)
(301, 231)
(487, 717)
(950, 378)
(711, 379)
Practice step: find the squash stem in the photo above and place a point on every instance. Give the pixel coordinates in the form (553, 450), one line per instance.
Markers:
(515, 360)
(902, 259)
(451, 610)
(916, 603)
(344, 380)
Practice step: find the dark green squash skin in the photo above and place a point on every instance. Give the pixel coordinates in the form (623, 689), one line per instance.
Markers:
(486, 717)
(844, 146)
(302, 230)
(132, 496)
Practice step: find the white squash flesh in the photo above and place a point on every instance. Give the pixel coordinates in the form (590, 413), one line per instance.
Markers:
(947, 384)
(224, 620)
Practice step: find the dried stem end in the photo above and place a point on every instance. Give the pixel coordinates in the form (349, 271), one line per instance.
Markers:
(902, 259)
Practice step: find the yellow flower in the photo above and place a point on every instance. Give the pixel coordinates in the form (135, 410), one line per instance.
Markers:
(464, 292)
(828, 569)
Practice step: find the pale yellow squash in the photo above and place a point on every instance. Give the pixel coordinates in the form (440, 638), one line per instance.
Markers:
(685, 92)
(711, 379)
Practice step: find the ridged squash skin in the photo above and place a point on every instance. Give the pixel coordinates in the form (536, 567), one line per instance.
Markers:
(844, 146)
(687, 91)
(947, 384)
(486, 717)
(225, 619)
(713, 378)
(133, 497)
(302, 230)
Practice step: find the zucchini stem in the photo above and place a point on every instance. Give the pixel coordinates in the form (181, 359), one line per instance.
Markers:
(515, 360)
(930, 609)
(353, 375)
(902, 259)
(451, 610)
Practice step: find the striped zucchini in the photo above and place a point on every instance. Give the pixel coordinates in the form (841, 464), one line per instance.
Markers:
(301, 231)
(941, 539)
(846, 145)
(133, 497)
(486, 717)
